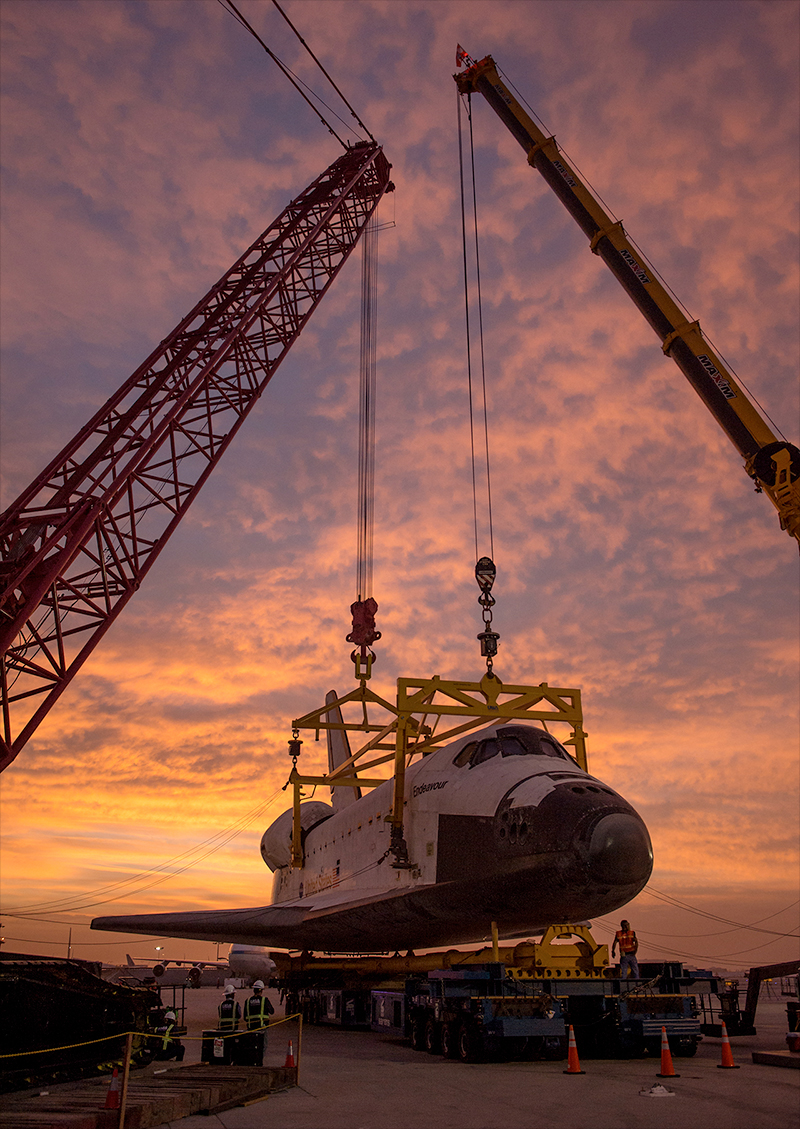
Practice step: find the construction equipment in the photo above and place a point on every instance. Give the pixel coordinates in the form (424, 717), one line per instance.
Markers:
(464, 1013)
(67, 1021)
(77, 544)
(772, 463)
(501, 1001)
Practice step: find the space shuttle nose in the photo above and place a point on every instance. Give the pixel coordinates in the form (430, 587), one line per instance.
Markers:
(620, 850)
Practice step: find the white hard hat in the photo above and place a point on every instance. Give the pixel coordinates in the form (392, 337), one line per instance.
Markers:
(229, 989)
(259, 984)
(170, 1015)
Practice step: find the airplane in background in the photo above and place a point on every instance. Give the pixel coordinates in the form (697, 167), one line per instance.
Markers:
(245, 962)
(251, 962)
(503, 826)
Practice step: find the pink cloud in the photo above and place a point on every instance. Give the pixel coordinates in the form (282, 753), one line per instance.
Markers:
(634, 560)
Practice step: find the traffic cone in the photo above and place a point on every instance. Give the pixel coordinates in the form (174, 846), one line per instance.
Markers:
(573, 1063)
(289, 1057)
(727, 1054)
(667, 1069)
(113, 1095)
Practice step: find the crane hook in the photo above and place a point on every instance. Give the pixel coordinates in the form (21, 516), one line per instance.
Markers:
(485, 573)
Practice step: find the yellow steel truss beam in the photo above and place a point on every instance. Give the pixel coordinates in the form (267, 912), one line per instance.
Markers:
(477, 702)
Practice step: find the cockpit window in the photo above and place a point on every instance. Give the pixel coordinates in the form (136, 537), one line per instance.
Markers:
(511, 741)
(485, 751)
(513, 747)
(465, 754)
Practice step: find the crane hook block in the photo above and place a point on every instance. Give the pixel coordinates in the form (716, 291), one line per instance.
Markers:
(363, 633)
(485, 573)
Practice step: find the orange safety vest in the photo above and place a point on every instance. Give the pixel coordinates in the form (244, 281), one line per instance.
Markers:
(626, 939)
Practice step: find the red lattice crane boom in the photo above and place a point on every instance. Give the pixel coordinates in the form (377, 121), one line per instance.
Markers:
(76, 544)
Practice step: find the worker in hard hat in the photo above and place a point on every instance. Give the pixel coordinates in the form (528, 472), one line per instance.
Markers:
(257, 1011)
(170, 1046)
(229, 1011)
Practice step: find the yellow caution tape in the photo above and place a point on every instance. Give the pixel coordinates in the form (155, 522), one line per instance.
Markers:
(145, 1035)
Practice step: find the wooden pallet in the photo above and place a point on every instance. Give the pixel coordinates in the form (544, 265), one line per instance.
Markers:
(152, 1100)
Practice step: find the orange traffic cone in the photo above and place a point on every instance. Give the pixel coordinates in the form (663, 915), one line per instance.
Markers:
(667, 1069)
(573, 1063)
(289, 1056)
(727, 1054)
(113, 1095)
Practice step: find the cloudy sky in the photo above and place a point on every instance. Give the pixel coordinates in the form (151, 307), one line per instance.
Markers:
(145, 145)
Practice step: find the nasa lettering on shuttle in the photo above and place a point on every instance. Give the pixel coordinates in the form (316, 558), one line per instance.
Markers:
(502, 826)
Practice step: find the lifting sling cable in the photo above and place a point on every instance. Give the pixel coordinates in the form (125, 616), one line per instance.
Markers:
(469, 334)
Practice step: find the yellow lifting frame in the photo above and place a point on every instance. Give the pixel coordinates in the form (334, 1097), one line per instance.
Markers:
(478, 702)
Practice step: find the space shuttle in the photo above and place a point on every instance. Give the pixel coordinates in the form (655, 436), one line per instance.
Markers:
(502, 826)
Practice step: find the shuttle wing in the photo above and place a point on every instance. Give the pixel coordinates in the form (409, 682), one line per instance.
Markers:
(243, 926)
(333, 920)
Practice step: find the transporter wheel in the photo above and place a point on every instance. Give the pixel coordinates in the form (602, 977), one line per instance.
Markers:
(450, 1040)
(687, 1048)
(470, 1043)
(418, 1033)
(432, 1036)
(555, 1047)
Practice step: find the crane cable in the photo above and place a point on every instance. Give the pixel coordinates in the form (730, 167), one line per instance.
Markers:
(366, 431)
(363, 632)
(485, 570)
(319, 64)
(480, 332)
(234, 11)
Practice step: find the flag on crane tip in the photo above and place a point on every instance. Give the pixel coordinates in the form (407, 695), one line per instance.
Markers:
(462, 58)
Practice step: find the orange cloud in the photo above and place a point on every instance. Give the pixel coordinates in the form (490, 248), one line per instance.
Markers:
(634, 560)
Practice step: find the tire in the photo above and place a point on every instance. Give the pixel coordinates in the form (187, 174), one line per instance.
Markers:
(686, 1049)
(555, 1048)
(470, 1043)
(450, 1040)
(418, 1033)
(432, 1036)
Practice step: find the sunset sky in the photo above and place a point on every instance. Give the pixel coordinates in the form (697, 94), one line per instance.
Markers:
(145, 145)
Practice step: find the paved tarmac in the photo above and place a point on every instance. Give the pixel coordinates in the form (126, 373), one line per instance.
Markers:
(362, 1080)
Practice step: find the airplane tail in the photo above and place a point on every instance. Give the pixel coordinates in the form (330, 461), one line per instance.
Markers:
(338, 753)
(131, 962)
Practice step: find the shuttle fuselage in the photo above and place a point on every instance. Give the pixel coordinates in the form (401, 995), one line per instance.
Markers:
(502, 826)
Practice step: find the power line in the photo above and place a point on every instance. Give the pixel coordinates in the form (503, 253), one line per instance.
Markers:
(219, 840)
(661, 896)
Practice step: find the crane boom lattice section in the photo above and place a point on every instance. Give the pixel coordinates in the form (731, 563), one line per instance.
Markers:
(78, 542)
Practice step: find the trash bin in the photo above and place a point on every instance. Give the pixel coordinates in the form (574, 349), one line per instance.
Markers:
(217, 1048)
(249, 1049)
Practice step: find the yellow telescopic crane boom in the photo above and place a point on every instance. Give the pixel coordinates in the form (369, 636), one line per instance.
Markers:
(772, 463)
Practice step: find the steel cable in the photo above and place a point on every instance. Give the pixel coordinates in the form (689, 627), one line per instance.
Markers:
(469, 332)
